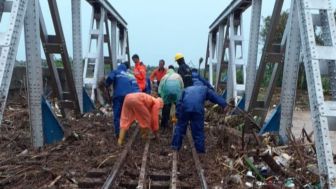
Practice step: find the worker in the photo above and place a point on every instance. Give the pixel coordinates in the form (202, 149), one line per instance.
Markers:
(123, 83)
(141, 107)
(199, 80)
(190, 108)
(139, 72)
(184, 70)
(158, 73)
(170, 90)
(148, 88)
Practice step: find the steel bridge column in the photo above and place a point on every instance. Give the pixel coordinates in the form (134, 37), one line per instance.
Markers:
(323, 112)
(128, 48)
(212, 49)
(290, 74)
(77, 67)
(123, 44)
(34, 72)
(114, 42)
(9, 43)
(328, 41)
(236, 41)
(220, 53)
(253, 50)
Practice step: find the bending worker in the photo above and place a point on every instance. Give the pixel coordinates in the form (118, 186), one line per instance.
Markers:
(199, 80)
(184, 70)
(139, 72)
(170, 90)
(123, 83)
(141, 107)
(190, 108)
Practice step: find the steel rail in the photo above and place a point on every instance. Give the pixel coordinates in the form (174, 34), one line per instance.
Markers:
(173, 184)
(142, 176)
(118, 164)
(200, 170)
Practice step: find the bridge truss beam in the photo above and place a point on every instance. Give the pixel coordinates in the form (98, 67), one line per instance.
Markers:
(69, 96)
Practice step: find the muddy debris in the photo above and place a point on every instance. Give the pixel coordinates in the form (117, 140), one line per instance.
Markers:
(88, 143)
(261, 162)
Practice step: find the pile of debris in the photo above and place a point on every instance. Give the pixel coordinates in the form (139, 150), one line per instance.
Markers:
(249, 160)
(88, 143)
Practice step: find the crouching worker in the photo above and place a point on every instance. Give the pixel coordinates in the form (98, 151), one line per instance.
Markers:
(141, 107)
(170, 90)
(190, 108)
(123, 84)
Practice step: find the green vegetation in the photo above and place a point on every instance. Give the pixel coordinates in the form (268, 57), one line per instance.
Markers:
(278, 37)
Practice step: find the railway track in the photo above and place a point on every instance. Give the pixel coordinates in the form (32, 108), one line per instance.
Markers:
(150, 164)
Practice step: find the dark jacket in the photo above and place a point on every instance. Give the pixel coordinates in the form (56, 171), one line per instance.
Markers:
(194, 97)
(185, 72)
(199, 80)
(123, 82)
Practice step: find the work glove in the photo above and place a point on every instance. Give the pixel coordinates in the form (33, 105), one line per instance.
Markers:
(231, 103)
(174, 120)
(214, 106)
(101, 84)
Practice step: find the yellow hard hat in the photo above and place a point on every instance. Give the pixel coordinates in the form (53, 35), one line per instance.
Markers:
(178, 56)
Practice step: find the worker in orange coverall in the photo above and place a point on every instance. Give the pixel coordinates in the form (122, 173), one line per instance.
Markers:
(141, 107)
(139, 72)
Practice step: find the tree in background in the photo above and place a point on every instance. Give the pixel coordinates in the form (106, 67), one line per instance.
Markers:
(302, 84)
(280, 29)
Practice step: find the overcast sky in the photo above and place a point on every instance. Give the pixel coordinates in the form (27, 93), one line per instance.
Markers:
(158, 29)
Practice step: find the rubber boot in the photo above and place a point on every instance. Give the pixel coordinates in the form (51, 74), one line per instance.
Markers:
(144, 133)
(121, 136)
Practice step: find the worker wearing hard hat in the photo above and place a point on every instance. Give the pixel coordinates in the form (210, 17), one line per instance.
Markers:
(141, 107)
(170, 90)
(123, 83)
(139, 72)
(190, 108)
(184, 70)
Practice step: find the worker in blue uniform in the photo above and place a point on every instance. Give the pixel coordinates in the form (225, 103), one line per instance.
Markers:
(199, 80)
(123, 83)
(148, 88)
(190, 109)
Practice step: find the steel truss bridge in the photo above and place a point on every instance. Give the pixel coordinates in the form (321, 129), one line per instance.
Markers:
(225, 39)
